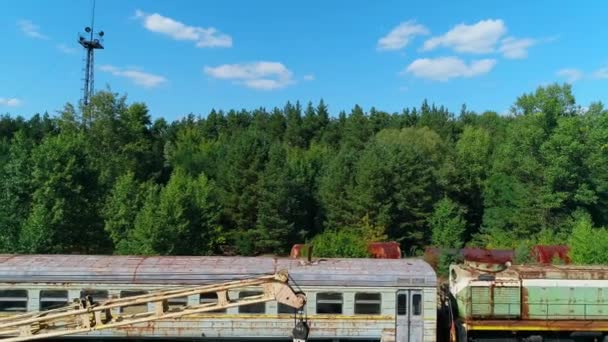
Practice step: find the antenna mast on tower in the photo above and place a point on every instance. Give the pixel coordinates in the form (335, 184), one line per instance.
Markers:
(91, 41)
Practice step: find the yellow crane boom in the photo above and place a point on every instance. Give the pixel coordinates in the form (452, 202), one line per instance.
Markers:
(85, 316)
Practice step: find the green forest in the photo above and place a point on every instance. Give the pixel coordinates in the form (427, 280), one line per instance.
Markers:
(107, 179)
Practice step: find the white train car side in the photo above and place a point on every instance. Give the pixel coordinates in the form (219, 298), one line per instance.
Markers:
(347, 299)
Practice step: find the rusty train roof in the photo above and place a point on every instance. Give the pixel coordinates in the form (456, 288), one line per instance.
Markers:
(561, 272)
(547, 272)
(203, 269)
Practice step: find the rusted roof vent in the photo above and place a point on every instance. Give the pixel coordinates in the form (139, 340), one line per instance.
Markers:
(377, 250)
(488, 256)
(301, 250)
(548, 254)
(384, 250)
(478, 255)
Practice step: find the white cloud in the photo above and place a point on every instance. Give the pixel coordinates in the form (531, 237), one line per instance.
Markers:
(257, 75)
(309, 77)
(444, 68)
(601, 73)
(30, 29)
(480, 37)
(66, 49)
(138, 77)
(400, 36)
(571, 75)
(10, 102)
(204, 37)
(513, 48)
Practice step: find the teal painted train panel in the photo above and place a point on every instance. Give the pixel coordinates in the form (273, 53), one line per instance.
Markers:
(480, 300)
(495, 302)
(463, 302)
(567, 303)
(507, 301)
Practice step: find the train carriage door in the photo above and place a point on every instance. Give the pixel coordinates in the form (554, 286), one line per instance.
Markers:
(416, 328)
(409, 323)
(402, 324)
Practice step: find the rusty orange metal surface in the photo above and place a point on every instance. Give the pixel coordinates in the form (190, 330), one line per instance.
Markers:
(384, 250)
(525, 308)
(545, 254)
(377, 250)
(298, 250)
(561, 272)
(480, 255)
(497, 256)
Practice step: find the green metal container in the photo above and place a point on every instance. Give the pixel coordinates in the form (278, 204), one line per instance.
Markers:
(481, 295)
(531, 293)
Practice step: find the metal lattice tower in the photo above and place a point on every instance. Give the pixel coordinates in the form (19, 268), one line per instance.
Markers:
(91, 41)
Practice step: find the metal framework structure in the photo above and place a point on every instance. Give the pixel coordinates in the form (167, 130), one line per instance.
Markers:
(86, 316)
(91, 41)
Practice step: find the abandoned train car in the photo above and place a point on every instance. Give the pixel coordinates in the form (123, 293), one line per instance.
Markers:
(347, 299)
(530, 302)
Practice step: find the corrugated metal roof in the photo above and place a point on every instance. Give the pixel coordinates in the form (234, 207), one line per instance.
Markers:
(190, 270)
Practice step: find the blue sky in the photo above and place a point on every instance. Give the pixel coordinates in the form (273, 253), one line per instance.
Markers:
(189, 56)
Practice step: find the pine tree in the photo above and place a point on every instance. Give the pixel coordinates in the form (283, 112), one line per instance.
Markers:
(273, 225)
(15, 191)
(65, 208)
(119, 212)
(180, 219)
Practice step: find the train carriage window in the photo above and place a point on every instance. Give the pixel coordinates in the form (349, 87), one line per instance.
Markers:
(207, 298)
(402, 304)
(285, 309)
(13, 300)
(329, 303)
(367, 303)
(133, 309)
(252, 308)
(177, 303)
(417, 304)
(53, 299)
(96, 295)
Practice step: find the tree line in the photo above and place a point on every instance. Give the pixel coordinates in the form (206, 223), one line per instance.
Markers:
(107, 179)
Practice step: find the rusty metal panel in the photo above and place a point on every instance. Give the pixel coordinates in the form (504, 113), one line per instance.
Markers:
(384, 250)
(479, 255)
(561, 272)
(498, 256)
(545, 254)
(263, 328)
(555, 272)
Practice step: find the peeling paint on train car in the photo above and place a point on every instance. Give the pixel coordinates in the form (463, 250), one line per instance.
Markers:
(558, 297)
(116, 273)
(204, 270)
